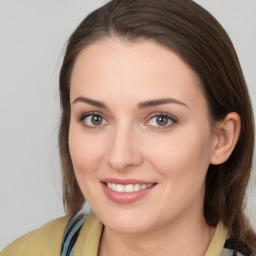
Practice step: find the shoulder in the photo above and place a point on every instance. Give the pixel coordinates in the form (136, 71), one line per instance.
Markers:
(42, 241)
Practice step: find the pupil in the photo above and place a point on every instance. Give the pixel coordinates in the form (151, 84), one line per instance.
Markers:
(96, 120)
(161, 120)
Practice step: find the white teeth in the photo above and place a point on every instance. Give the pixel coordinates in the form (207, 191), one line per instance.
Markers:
(128, 188)
(136, 187)
(143, 186)
(120, 188)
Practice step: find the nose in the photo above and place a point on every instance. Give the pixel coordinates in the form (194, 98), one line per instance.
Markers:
(124, 152)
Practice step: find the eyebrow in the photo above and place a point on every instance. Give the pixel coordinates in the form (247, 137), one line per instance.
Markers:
(141, 105)
(94, 103)
(157, 102)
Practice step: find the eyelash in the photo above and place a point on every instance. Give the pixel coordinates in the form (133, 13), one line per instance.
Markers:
(155, 115)
(85, 115)
(171, 118)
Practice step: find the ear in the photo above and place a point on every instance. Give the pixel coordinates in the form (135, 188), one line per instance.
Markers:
(226, 136)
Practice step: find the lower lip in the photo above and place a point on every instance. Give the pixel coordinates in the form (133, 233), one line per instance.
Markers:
(124, 197)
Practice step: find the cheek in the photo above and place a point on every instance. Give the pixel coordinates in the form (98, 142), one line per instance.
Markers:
(182, 162)
(184, 156)
(86, 154)
(84, 150)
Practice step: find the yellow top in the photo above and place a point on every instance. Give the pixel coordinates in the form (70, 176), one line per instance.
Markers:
(46, 241)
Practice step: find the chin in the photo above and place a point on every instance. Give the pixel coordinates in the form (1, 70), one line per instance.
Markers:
(126, 222)
(127, 228)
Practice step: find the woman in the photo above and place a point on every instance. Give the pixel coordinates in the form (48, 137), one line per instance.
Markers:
(156, 134)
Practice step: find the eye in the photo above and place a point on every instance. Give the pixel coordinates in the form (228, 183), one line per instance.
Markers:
(93, 120)
(161, 120)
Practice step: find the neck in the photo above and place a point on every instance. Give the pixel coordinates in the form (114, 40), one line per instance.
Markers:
(188, 236)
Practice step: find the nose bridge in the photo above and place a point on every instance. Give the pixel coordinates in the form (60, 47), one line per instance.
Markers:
(123, 152)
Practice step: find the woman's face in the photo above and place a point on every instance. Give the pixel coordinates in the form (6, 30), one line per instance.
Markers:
(140, 138)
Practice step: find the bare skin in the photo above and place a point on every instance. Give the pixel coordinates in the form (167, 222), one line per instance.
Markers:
(183, 240)
(138, 115)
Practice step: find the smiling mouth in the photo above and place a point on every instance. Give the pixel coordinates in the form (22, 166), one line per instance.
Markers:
(126, 191)
(129, 188)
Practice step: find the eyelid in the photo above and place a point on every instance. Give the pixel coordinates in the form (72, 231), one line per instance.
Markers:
(82, 117)
(85, 114)
(171, 117)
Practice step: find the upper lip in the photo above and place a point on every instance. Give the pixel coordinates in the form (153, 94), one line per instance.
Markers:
(126, 181)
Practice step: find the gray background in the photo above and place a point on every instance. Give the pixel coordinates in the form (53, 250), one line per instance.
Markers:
(32, 36)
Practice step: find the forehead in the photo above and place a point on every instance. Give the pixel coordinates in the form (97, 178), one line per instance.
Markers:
(138, 70)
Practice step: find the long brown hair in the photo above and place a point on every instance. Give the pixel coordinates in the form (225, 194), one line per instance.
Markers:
(196, 36)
